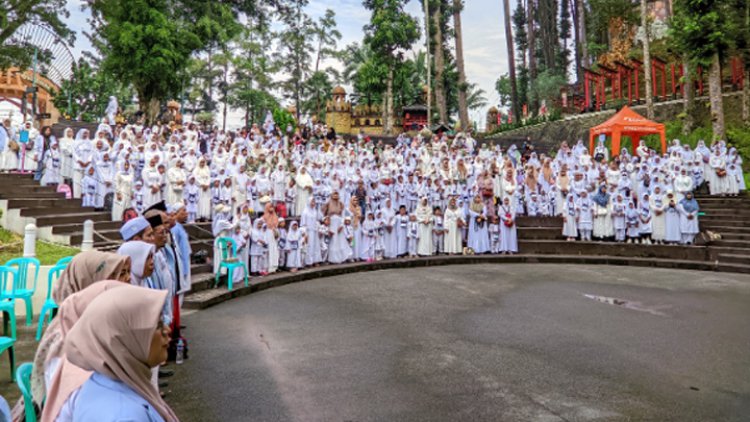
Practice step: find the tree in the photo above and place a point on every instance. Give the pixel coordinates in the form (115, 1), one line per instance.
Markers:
(522, 46)
(86, 94)
(327, 37)
(390, 32)
(503, 88)
(701, 30)
(317, 89)
(511, 59)
(563, 57)
(296, 44)
(463, 112)
(647, 60)
(14, 13)
(477, 99)
(438, 54)
(148, 47)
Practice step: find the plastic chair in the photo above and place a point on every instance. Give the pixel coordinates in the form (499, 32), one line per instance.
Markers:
(20, 288)
(23, 379)
(228, 259)
(7, 309)
(49, 304)
(64, 261)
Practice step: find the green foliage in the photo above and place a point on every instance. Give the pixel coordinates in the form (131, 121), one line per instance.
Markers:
(547, 86)
(89, 90)
(14, 13)
(391, 30)
(47, 253)
(283, 119)
(601, 14)
(296, 44)
(700, 28)
(317, 90)
(503, 88)
(150, 43)
(551, 117)
(205, 118)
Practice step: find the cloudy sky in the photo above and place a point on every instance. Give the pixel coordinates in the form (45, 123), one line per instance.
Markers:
(484, 38)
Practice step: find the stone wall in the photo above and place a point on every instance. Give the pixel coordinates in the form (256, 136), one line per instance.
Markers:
(549, 135)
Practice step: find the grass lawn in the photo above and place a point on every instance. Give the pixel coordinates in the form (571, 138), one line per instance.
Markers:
(11, 246)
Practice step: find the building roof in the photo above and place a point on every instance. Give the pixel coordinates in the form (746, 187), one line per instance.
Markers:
(339, 90)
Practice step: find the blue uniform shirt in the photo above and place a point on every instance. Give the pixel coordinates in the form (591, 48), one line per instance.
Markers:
(102, 399)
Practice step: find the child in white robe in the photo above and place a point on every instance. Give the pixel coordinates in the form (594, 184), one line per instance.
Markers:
(324, 234)
(632, 217)
(402, 230)
(495, 235)
(619, 209)
(379, 236)
(412, 236)
(90, 188)
(349, 235)
(191, 195)
(139, 193)
(52, 175)
(293, 247)
(241, 252)
(585, 216)
(257, 249)
(438, 231)
(672, 234)
(281, 242)
(369, 237)
(658, 217)
(688, 209)
(645, 219)
(570, 218)
(508, 230)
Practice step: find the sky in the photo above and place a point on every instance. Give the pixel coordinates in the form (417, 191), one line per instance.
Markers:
(485, 53)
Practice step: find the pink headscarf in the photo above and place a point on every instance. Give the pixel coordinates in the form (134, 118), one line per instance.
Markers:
(68, 377)
(113, 338)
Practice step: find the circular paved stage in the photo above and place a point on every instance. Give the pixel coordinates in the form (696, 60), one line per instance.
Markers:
(488, 342)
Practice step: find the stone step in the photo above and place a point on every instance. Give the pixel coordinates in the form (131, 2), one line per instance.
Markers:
(36, 195)
(44, 203)
(733, 267)
(77, 227)
(524, 221)
(679, 252)
(722, 228)
(732, 243)
(61, 211)
(735, 236)
(31, 189)
(734, 259)
(540, 233)
(51, 220)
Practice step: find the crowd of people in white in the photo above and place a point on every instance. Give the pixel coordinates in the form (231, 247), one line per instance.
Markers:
(302, 198)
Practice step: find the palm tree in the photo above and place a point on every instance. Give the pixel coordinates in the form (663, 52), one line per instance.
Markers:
(463, 112)
(647, 61)
(511, 59)
(476, 99)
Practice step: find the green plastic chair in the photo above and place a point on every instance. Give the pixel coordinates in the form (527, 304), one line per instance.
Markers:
(64, 261)
(7, 309)
(20, 288)
(228, 260)
(49, 304)
(23, 379)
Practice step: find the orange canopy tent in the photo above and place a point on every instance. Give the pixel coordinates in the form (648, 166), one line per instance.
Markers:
(627, 123)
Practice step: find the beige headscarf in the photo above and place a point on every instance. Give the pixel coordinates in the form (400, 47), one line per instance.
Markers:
(113, 338)
(85, 269)
(69, 377)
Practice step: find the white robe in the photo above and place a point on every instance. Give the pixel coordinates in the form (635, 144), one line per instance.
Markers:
(453, 233)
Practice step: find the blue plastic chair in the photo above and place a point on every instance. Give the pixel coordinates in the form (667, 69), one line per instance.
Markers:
(7, 309)
(228, 259)
(23, 379)
(49, 304)
(64, 261)
(20, 288)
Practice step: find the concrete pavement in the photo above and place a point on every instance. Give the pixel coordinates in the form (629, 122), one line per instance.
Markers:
(482, 342)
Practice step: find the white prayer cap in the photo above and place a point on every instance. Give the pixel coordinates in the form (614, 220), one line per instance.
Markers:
(176, 207)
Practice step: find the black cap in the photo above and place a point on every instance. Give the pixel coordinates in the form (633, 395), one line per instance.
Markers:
(159, 206)
(155, 220)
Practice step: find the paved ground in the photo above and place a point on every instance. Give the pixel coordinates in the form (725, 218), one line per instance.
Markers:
(483, 342)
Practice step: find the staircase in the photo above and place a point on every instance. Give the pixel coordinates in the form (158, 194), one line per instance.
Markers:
(730, 218)
(59, 220)
(727, 216)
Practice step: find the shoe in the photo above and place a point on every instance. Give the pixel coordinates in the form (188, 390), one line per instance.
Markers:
(165, 373)
(163, 384)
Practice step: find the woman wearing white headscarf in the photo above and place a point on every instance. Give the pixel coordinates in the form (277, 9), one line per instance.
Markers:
(66, 154)
(424, 218)
(123, 191)
(309, 222)
(141, 260)
(83, 156)
(304, 184)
